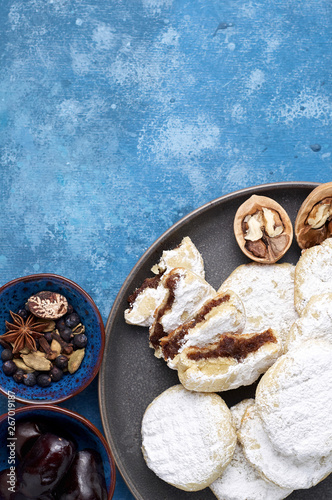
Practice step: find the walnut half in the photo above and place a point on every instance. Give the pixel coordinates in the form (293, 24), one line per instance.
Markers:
(313, 223)
(263, 229)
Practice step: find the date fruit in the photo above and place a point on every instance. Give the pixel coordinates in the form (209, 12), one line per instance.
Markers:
(85, 479)
(8, 487)
(26, 434)
(44, 465)
(5, 492)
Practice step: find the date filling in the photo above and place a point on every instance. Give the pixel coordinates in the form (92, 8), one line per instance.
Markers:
(233, 346)
(158, 331)
(173, 342)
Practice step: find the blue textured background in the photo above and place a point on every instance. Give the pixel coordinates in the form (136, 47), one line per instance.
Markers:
(119, 117)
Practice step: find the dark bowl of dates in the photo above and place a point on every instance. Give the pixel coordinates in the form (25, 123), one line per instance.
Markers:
(48, 453)
(52, 339)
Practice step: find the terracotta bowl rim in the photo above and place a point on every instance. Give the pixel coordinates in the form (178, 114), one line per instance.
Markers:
(81, 419)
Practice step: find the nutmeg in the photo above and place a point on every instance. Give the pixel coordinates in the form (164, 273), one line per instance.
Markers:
(263, 229)
(313, 223)
(48, 305)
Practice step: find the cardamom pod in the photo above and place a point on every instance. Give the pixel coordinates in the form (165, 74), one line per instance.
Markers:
(75, 360)
(22, 366)
(37, 361)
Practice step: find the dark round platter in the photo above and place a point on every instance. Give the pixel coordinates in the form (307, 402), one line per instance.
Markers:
(131, 377)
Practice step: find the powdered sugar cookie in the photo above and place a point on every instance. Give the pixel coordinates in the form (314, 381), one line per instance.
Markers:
(314, 323)
(144, 301)
(287, 472)
(267, 292)
(240, 481)
(210, 352)
(233, 361)
(239, 410)
(185, 255)
(224, 313)
(185, 294)
(294, 402)
(188, 438)
(313, 274)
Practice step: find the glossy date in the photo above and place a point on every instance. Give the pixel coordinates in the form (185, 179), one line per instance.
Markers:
(85, 479)
(50, 467)
(44, 465)
(26, 435)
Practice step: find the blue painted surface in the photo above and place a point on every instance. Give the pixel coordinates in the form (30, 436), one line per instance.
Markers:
(119, 117)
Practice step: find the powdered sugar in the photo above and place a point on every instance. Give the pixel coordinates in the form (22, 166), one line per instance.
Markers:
(267, 293)
(190, 293)
(188, 438)
(141, 312)
(239, 410)
(313, 274)
(185, 255)
(231, 318)
(226, 317)
(294, 401)
(225, 373)
(287, 472)
(240, 481)
(314, 323)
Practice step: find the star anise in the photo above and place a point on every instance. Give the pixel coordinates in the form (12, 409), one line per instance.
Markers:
(23, 333)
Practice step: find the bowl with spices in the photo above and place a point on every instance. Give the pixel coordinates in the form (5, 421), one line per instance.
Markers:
(51, 339)
(48, 452)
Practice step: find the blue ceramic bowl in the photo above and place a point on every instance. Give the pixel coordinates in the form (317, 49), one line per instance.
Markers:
(82, 431)
(13, 296)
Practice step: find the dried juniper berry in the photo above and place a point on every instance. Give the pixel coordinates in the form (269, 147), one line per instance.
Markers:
(44, 380)
(7, 355)
(18, 376)
(66, 334)
(60, 324)
(61, 362)
(29, 379)
(56, 374)
(9, 368)
(80, 341)
(72, 320)
(23, 313)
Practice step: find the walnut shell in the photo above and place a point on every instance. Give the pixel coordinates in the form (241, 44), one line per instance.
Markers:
(263, 229)
(48, 305)
(313, 223)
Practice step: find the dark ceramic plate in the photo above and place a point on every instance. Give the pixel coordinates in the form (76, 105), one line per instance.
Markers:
(131, 377)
